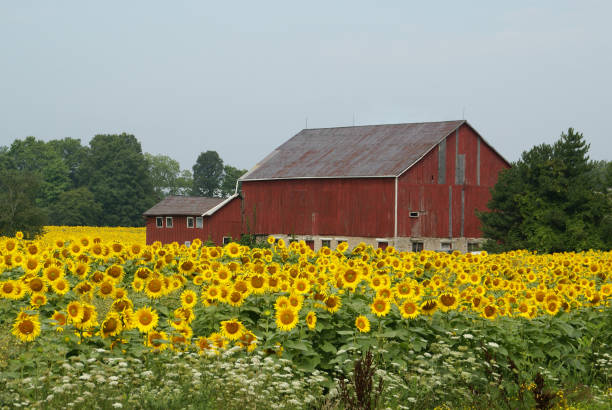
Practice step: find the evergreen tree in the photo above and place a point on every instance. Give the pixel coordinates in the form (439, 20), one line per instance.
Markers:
(549, 201)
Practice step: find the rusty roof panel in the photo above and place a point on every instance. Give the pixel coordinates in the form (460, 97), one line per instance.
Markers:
(184, 205)
(364, 151)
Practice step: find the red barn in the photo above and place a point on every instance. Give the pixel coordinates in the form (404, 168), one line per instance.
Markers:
(414, 186)
(182, 219)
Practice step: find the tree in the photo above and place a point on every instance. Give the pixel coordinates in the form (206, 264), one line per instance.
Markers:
(117, 175)
(549, 201)
(207, 174)
(35, 156)
(18, 210)
(76, 207)
(72, 154)
(167, 177)
(230, 177)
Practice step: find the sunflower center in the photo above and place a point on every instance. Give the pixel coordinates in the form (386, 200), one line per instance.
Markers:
(489, 311)
(36, 285)
(286, 317)
(146, 318)
(155, 285)
(429, 305)
(110, 325)
(379, 306)
(7, 288)
(188, 265)
(257, 282)
(409, 308)
(447, 300)
(26, 327)
(232, 328)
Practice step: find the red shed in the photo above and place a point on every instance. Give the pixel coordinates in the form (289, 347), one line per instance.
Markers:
(415, 186)
(182, 219)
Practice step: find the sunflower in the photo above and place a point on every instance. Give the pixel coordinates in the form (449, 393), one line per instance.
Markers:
(204, 344)
(154, 288)
(552, 307)
(189, 299)
(257, 284)
(271, 240)
(7, 288)
(235, 298)
(351, 278)
(89, 319)
(60, 320)
(409, 310)
(36, 284)
(27, 328)
(448, 301)
(157, 340)
(75, 312)
(60, 286)
(380, 306)
(52, 273)
(146, 319)
(218, 341)
(187, 267)
(115, 273)
(38, 299)
(333, 303)
(362, 324)
(286, 319)
(311, 320)
(111, 326)
(32, 264)
(232, 329)
(106, 289)
(248, 340)
(281, 302)
(490, 311)
(296, 301)
(233, 250)
(429, 306)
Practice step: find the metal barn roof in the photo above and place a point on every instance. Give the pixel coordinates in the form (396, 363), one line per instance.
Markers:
(184, 205)
(363, 151)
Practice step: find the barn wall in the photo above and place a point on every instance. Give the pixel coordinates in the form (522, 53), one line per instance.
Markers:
(419, 190)
(351, 207)
(224, 222)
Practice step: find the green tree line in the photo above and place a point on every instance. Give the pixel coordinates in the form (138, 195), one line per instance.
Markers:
(109, 182)
(553, 199)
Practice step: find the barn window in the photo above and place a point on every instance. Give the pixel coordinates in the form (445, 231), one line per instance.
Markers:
(310, 243)
(227, 239)
(326, 242)
(473, 247)
(190, 222)
(159, 222)
(188, 243)
(446, 246)
(417, 246)
(168, 222)
(414, 214)
(199, 222)
(382, 244)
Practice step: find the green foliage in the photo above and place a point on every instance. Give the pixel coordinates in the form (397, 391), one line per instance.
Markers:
(207, 174)
(552, 200)
(18, 209)
(230, 177)
(117, 174)
(76, 207)
(167, 177)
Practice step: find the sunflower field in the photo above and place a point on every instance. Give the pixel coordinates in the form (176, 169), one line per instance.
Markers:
(94, 317)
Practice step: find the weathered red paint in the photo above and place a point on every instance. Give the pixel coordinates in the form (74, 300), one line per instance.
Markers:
(328, 206)
(226, 222)
(419, 191)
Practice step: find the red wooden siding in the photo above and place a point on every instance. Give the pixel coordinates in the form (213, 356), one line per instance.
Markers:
(224, 222)
(419, 191)
(330, 206)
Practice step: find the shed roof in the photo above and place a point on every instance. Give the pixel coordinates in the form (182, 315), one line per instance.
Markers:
(184, 205)
(363, 151)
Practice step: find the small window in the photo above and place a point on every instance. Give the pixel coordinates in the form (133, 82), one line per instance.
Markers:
(227, 239)
(188, 243)
(159, 222)
(473, 247)
(168, 222)
(414, 214)
(293, 240)
(326, 242)
(190, 222)
(199, 222)
(417, 246)
(310, 243)
(383, 244)
(446, 246)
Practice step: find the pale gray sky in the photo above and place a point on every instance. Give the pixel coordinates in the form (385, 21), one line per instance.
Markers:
(240, 78)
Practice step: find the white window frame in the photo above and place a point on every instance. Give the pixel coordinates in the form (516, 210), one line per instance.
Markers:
(190, 218)
(328, 240)
(413, 214)
(446, 243)
(199, 222)
(188, 243)
(416, 244)
(227, 239)
(171, 224)
(159, 221)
